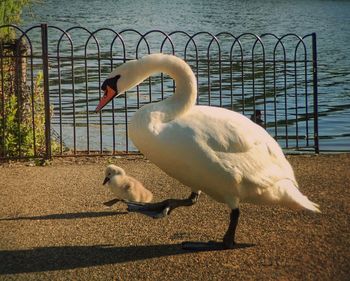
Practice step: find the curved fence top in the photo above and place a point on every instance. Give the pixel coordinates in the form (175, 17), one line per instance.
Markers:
(269, 75)
(130, 43)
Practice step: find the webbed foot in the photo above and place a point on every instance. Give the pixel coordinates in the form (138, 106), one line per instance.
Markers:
(155, 210)
(110, 203)
(163, 208)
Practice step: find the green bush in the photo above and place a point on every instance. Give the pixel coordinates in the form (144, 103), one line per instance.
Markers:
(22, 112)
(10, 13)
(22, 125)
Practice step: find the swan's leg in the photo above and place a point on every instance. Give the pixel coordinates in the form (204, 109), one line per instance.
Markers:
(111, 202)
(191, 200)
(228, 241)
(229, 237)
(161, 209)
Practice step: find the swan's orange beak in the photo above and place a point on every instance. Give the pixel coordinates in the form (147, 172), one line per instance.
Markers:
(107, 97)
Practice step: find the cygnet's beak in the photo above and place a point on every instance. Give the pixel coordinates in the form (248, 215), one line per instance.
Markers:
(107, 97)
(107, 179)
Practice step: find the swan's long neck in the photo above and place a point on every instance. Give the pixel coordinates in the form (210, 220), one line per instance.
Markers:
(186, 88)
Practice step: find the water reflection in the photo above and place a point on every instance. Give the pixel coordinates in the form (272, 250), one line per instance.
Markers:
(237, 89)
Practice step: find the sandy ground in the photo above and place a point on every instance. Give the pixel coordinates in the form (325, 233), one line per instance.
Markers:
(53, 226)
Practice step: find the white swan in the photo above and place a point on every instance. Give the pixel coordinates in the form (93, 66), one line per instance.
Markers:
(209, 149)
(125, 187)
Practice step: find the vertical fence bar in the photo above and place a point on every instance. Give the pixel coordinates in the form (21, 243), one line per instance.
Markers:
(306, 99)
(45, 58)
(197, 75)
(3, 113)
(74, 105)
(19, 94)
(275, 96)
(220, 79)
(113, 112)
(242, 83)
(315, 88)
(126, 109)
(296, 103)
(264, 87)
(87, 103)
(59, 78)
(208, 80)
(231, 82)
(253, 85)
(99, 98)
(285, 99)
(33, 103)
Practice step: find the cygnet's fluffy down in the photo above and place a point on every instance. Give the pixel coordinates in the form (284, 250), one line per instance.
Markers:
(124, 186)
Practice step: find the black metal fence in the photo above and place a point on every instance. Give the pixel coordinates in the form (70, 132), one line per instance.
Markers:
(56, 78)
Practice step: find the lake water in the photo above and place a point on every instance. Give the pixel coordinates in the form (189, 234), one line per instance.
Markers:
(329, 19)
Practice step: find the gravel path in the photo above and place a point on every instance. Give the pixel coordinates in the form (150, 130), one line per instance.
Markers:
(53, 226)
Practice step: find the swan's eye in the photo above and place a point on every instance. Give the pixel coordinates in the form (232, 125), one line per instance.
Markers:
(110, 82)
(104, 86)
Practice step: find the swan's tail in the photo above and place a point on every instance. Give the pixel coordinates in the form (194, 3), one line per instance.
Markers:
(293, 198)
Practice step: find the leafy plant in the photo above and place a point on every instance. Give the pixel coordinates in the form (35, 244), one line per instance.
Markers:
(10, 13)
(22, 112)
(22, 124)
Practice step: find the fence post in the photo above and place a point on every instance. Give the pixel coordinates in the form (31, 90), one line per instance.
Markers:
(315, 88)
(45, 58)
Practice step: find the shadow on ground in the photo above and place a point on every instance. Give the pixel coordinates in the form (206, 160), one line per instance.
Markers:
(65, 216)
(70, 257)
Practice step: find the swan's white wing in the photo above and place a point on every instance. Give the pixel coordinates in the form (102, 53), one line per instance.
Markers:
(226, 131)
(257, 165)
(230, 140)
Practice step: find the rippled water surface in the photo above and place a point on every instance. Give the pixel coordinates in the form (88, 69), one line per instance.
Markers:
(329, 19)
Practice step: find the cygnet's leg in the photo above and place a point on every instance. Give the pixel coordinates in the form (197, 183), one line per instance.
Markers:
(163, 208)
(228, 241)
